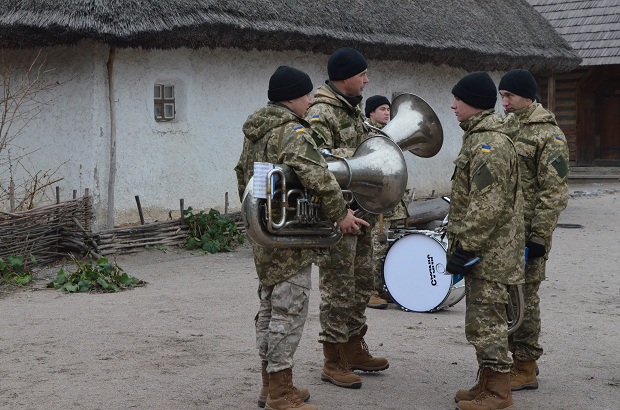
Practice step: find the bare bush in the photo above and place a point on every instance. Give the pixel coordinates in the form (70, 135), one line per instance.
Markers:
(26, 92)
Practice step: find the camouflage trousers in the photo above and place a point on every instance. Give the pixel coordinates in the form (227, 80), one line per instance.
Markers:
(524, 341)
(379, 241)
(485, 323)
(346, 281)
(379, 250)
(281, 318)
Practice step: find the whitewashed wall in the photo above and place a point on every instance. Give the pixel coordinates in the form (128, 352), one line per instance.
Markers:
(194, 156)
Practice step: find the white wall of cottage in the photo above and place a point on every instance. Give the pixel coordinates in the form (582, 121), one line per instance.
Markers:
(192, 157)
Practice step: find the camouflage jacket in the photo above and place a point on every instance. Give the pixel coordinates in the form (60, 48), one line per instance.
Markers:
(340, 125)
(275, 134)
(542, 147)
(486, 203)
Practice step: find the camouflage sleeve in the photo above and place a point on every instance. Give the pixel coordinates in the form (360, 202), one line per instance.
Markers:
(491, 167)
(318, 116)
(302, 155)
(552, 176)
(241, 168)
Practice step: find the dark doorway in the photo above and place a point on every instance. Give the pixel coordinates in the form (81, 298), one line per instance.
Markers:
(598, 117)
(607, 127)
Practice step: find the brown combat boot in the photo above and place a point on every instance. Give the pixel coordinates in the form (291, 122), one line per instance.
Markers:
(264, 390)
(471, 394)
(282, 395)
(336, 370)
(523, 375)
(376, 302)
(358, 356)
(495, 394)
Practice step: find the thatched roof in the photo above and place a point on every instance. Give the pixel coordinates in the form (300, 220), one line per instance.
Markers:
(473, 34)
(591, 27)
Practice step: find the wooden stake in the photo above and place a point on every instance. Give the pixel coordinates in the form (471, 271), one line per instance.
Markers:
(140, 210)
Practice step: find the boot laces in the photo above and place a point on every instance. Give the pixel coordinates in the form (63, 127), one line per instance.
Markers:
(365, 350)
(293, 398)
(342, 363)
(291, 395)
(483, 396)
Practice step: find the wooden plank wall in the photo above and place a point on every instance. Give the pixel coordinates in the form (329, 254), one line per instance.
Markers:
(564, 105)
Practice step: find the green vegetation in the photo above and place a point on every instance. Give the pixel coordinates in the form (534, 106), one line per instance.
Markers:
(102, 276)
(211, 232)
(13, 271)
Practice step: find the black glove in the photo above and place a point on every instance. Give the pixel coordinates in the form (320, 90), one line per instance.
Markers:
(458, 259)
(535, 250)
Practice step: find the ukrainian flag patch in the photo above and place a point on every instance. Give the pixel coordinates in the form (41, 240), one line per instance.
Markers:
(314, 118)
(559, 140)
(298, 129)
(485, 148)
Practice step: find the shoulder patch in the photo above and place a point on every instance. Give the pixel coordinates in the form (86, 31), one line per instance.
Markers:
(299, 128)
(483, 177)
(315, 118)
(558, 139)
(485, 148)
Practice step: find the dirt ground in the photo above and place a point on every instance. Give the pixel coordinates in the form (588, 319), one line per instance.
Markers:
(186, 339)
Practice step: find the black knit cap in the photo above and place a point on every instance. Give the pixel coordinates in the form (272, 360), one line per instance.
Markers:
(476, 89)
(519, 82)
(345, 63)
(288, 83)
(372, 103)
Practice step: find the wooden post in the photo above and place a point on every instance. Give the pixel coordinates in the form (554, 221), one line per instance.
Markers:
(551, 94)
(140, 210)
(182, 209)
(112, 163)
(74, 193)
(57, 194)
(86, 192)
(226, 203)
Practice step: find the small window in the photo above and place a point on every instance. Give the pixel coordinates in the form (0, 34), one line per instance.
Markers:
(164, 102)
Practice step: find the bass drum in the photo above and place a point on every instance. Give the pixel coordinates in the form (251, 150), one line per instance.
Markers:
(414, 273)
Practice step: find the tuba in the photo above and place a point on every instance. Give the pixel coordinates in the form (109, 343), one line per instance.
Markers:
(514, 308)
(289, 216)
(414, 126)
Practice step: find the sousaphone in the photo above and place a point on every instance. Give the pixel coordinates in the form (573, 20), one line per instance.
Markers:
(414, 126)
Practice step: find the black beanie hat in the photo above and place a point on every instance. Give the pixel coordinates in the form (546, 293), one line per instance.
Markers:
(372, 103)
(345, 63)
(476, 89)
(288, 83)
(519, 82)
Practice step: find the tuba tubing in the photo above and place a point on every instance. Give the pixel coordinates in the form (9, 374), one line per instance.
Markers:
(375, 176)
(298, 238)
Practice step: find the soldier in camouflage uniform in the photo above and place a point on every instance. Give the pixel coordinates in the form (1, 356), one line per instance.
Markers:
(277, 134)
(486, 211)
(542, 147)
(346, 277)
(377, 110)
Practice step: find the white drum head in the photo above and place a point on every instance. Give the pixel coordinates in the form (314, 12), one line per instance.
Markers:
(413, 272)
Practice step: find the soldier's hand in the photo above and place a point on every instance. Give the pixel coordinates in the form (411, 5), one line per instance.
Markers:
(535, 250)
(351, 223)
(460, 260)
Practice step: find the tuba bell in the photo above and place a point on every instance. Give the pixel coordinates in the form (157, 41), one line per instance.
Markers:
(375, 177)
(414, 126)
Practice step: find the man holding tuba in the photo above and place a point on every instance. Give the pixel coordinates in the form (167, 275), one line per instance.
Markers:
(277, 134)
(346, 277)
